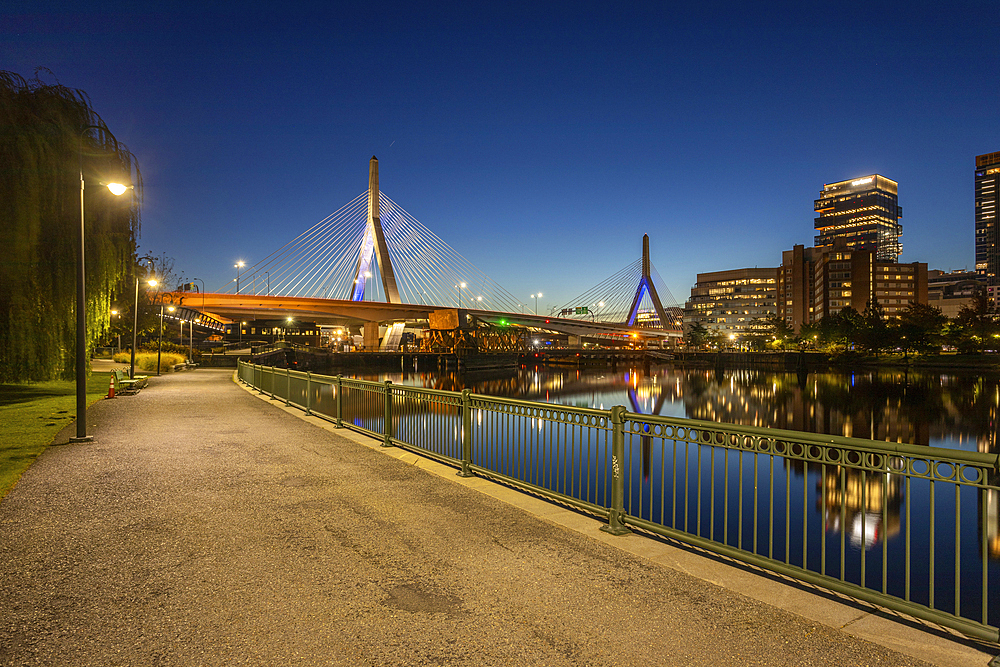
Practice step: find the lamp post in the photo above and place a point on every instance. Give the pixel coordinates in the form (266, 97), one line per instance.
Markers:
(238, 266)
(535, 297)
(81, 303)
(202, 292)
(135, 315)
(117, 313)
(593, 312)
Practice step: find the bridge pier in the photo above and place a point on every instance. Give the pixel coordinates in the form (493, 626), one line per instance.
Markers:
(371, 336)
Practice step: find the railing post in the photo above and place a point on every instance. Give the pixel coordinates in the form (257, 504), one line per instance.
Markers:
(616, 513)
(340, 400)
(387, 424)
(309, 392)
(288, 386)
(466, 434)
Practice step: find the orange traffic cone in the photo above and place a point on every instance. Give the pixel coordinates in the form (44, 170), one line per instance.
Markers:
(111, 387)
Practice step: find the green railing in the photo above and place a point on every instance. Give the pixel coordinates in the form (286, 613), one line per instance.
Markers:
(911, 528)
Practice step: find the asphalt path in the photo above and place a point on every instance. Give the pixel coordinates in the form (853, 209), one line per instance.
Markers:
(204, 526)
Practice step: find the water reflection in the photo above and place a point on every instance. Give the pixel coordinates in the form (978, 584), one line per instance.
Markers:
(952, 410)
(866, 506)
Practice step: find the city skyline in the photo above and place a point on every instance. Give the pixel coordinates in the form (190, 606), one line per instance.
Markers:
(541, 145)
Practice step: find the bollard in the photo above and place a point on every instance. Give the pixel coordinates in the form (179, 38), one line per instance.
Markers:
(466, 471)
(387, 424)
(616, 513)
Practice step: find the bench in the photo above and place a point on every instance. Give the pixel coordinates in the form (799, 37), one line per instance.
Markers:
(126, 386)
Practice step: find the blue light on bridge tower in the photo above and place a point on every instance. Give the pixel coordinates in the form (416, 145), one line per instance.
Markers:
(646, 287)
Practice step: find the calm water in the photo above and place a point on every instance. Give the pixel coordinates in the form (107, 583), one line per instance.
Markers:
(952, 410)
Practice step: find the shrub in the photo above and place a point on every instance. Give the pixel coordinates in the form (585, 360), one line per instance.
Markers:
(146, 361)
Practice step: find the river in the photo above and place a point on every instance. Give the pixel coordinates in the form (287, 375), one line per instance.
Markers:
(956, 410)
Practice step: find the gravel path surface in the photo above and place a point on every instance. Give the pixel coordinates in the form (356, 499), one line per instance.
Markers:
(205, 527)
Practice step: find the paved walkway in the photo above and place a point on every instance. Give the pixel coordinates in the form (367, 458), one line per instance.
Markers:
(204, 526)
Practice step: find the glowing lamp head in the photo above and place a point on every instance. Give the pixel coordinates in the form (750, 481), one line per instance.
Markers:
(152, 282)
(117, 189)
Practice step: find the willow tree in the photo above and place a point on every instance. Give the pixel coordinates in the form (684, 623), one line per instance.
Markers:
(44, 143)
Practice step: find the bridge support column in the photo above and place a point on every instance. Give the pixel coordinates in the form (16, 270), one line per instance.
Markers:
(371, 336)
(573, 341)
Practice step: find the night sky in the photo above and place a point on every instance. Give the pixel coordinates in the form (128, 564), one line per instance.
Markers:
(540, 141)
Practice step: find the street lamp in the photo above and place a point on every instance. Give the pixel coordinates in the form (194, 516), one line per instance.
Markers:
(593, 316)
(202, 292)
(535, 297)
(238, 266)
(81, 303)
(118, 314)
(135, 315)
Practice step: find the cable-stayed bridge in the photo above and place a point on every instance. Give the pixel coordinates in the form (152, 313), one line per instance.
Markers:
(371, 263)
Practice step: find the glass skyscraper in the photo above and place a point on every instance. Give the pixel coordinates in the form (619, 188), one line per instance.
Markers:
(862, 213)
(987, 202)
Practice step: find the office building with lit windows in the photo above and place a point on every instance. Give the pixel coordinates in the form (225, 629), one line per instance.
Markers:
(732, 302)
(814, 282)
(863, 213)
(987, 203)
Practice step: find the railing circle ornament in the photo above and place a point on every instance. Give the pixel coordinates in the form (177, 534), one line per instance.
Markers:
(977, 474)
(945, 471)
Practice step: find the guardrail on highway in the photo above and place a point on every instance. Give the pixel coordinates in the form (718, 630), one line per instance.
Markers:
(914, 529)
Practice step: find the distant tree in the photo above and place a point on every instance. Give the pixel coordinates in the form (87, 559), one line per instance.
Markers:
(783, 333)
(875, 335)
(921, 327)
(43, 144)
(697, 335)
(975, 326)
(808, 335)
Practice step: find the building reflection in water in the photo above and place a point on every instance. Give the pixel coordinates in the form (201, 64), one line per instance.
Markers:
(858, 504)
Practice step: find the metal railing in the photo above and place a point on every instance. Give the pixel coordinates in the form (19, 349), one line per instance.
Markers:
(914, 529)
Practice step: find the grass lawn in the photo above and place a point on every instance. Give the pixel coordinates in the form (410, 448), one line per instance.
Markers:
(32, 415)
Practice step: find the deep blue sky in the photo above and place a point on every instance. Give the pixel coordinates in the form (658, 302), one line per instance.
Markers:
(540, 141)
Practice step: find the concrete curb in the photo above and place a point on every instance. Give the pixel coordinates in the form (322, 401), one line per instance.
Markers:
(928, 642)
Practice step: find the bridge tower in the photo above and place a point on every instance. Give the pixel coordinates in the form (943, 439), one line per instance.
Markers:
(646, 283)
(374, 243)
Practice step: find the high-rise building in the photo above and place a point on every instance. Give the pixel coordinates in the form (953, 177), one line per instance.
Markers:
(813, 282)
(987, 202)
(864, 213)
